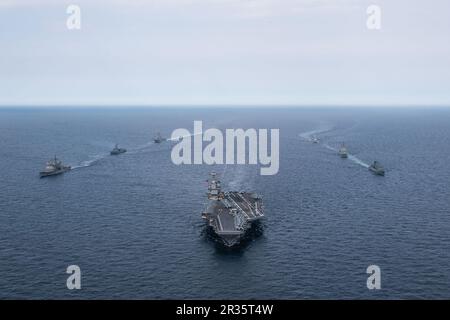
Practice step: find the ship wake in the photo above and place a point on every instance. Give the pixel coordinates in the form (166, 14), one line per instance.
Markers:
(175, 139)
(96, 158)
(308, 136)
(90, 162)
(350, 156)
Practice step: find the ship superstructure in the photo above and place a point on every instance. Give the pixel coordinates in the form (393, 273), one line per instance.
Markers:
(343, 153)
(54, 167)
(117, 150)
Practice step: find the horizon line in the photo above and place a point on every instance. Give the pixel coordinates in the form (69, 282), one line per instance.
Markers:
(191, 106)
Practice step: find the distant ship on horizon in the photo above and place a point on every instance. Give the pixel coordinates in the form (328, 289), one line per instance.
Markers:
(117, 150)
(158, 138)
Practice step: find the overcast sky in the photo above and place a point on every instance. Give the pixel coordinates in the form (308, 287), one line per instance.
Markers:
(222, 52)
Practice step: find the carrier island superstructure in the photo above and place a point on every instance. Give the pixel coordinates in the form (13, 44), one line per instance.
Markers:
(231, 214)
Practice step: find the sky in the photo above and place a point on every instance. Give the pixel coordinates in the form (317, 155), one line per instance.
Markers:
(224, 52)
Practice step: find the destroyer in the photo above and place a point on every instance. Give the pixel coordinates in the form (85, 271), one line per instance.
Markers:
(53, 168)
(377, 168)
(117, 150)
(230, 214)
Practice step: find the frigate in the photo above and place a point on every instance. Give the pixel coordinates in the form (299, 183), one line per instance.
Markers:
(377, 168)
(343, 153)
(117, 150)
(231, 214)
(54, 167)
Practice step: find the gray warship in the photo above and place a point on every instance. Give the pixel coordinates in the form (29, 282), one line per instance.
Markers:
(158, 138)
(231, 214)
(343, 153)
(53, 168)
(117, 150)
(377, 168)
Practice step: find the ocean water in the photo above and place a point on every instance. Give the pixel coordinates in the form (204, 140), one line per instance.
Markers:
(133, 222)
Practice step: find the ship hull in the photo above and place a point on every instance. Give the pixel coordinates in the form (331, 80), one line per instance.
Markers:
(230, 240)
(115, 153)
(377, 172)
(235, 241)
(44, 174)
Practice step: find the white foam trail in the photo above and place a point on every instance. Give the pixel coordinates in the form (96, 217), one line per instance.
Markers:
(358, 161)
(191, 135)
(140, 148)
(350, 156)
(143, 147)
(90, 162)
(308, 135)
(329, 147)
(99, 157)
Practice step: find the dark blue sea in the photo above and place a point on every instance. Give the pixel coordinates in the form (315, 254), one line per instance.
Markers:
(132, 223)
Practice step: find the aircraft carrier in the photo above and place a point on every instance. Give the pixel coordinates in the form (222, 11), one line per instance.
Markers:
(231, 214)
